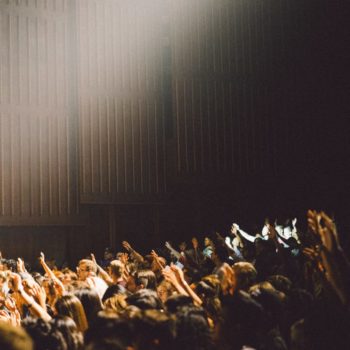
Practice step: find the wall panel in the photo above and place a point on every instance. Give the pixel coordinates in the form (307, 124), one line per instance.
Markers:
(37, 174)
(120, 107)
(228, 62)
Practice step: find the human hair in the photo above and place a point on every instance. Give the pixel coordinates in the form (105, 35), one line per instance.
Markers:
(242, 320)
(145, 299)
(221, 253)
(76, 285)
(69, 330)
(147, 279)
(91, 303)
(109, 329)
(267, 296)
(209, 286)
(11, 264)
(14, 338)
(192, 329)
(281, 283)
(245, 274)
(89, 265)
(116, 303)
(177, 301)
(116, 268)
(105, 344)
(208, 290)
(164, 290)
(154, 330)
(45, 335)
(69, 275)
(69, 305)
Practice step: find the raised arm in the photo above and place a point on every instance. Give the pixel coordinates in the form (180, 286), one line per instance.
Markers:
(169, 275)
(133, 253)
(58, 284)
(244, 234)
(28, 300)
(101, 272)
(181, 278)
(172, 250)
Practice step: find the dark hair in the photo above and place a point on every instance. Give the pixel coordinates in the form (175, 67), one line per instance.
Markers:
(175, 302)
(242, 320)
(11, 264)
(221, 252)
(245, 274)
(281, 283)
(147, 278)
(44, 335)
(91, 303)
(116, 268)
(105, 344)
(68, 328)
(271, 301)
(14, 338)
(145, 299)
(110, 329)
(154, 330)
(192, 328)
(69, 305)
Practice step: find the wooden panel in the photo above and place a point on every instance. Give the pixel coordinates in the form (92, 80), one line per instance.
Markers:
(228, 67)
(120, 108)
(37, 174)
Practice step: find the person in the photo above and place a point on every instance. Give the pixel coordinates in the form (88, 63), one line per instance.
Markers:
(69, 305)
(87, 272)
(208, 247)
(14, 338)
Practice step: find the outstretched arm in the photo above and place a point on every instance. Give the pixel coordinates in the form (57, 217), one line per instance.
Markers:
(133, 253)
(172, 250)
(58, 284)
(101, 272)
(181, 279)
(28, 300)
(246, 235)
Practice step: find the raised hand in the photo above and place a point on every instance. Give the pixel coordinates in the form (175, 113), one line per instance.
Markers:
(39, 294)
(178, 273)
(154, 254)
(169, 275)
(10, 304)
(156, 258)
(234, 228)
(20, 265)
(332, 259)
(92, 256)
(127, 246)
(329, 234)
(5, 316)
(16, 282)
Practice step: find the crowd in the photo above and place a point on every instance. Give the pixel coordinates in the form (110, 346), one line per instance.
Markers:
(277, 289)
